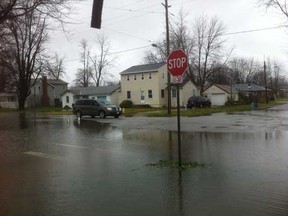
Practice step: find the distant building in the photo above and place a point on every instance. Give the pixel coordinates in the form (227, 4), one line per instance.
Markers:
(253, 92)
(47, 92)
(109, 93)
(220, 94)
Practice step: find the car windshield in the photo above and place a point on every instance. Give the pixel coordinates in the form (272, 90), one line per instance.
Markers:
(105, 102)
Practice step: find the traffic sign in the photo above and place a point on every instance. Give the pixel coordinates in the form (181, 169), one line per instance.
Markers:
(177, 62)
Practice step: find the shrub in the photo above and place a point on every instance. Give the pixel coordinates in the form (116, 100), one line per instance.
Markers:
(126, 104)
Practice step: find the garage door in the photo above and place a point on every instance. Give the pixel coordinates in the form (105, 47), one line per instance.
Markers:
(218, 99)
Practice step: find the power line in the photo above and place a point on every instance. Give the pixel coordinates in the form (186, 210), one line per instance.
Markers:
(255, 30)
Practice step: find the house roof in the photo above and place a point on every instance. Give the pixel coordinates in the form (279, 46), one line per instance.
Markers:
(226, 88)
(248, 87)
(93, 90)
(143, 68)
(56, 82)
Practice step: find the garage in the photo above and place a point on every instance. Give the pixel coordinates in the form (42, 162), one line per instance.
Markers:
(218, 99)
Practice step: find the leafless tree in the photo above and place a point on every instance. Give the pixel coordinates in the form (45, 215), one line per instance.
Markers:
(279, 5)
(208, 56)
(22, 57)
(84, 74)
(244, 70)
(54, 67)
(101, 61)
(12, 9)
(180, 38)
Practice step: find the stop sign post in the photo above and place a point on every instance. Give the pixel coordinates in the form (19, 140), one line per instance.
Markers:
(177, 63)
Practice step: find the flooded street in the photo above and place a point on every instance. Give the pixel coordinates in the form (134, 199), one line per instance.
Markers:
(56, 165)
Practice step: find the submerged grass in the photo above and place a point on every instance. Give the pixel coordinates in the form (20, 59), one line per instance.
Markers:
(174, 164)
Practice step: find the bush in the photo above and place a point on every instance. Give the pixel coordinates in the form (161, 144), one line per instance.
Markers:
(126, 104)
(143, 106)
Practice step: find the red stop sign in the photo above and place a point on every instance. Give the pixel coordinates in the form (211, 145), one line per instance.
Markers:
(177, 63)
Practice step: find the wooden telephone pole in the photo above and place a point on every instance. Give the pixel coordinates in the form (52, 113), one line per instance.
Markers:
(167, 54)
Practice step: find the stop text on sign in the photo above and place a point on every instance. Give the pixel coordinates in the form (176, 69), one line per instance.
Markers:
(177, 63)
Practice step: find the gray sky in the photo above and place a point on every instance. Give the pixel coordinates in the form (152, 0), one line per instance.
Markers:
(133, 24)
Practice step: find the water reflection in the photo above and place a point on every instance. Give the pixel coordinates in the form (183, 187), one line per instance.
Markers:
(81, 169)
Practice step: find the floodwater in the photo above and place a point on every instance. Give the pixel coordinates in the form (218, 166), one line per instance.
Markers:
(55, 165)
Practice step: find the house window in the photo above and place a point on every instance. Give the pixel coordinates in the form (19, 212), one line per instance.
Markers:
(102, 97)
(135, 77)
(128, 78)
(174, 93)
(128, 94)
(163, 75)
(162, 93)
(150, 76)
(67, 99)
(150, 95)
(142, 76)
(194, 92)
(142, 96)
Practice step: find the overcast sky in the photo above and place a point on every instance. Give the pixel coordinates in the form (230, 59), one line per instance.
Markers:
(133, 25)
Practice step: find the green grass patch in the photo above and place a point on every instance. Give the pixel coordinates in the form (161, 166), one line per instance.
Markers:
(174, 164)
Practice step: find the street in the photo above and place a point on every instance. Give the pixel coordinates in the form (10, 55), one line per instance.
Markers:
(57, 165)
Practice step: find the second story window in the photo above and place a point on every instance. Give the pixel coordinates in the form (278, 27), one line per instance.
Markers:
(163, 75)
(128, 78)
(150, 76)
(67, 99)
(135, 77)
(142, 76)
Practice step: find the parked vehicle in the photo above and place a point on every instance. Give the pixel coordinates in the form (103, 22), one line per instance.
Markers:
(91, 107)
(198, 101)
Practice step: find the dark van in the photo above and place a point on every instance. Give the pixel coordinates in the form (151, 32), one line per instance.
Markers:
(91, 107)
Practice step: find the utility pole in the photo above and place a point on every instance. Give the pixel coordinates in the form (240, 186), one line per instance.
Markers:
(265, 82)
(167, 54)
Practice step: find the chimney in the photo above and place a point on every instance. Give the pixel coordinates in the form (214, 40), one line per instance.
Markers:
(45, 97)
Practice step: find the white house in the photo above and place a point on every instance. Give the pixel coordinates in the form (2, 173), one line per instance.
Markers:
(147, 84)
(109, 93)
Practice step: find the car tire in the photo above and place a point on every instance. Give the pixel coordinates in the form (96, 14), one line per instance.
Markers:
(116, 116)
(78, 114)
(102, 114)
(92, 116)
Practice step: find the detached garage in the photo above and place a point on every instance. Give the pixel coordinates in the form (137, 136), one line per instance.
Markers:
(220, 94)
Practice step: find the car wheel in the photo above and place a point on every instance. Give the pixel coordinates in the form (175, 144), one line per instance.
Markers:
(78, 114)
(102, 114)
(92, 116)
(116, 116)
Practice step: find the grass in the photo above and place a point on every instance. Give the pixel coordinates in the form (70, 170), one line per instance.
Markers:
(162, 112)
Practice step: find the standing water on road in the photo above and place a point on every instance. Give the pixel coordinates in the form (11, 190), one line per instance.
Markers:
(56, 165)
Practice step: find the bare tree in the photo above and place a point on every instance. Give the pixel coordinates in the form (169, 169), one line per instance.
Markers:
(180, 38)
(84, 74)
(13, 9)
(54, 67)
(208, 55)
(22, 57)
(101, 61)
(244, 70)
(280, 5)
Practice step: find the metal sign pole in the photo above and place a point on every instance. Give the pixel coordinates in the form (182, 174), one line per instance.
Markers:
(179, 127)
